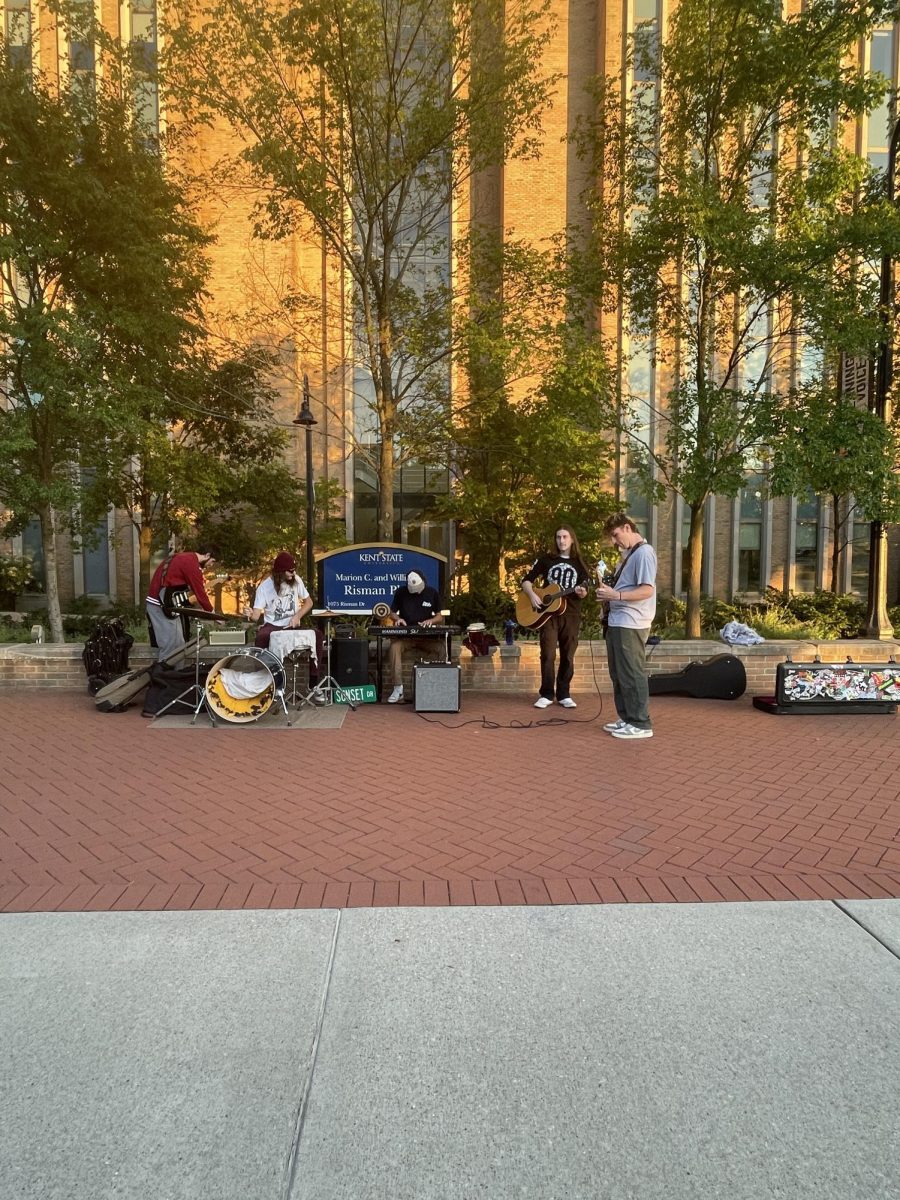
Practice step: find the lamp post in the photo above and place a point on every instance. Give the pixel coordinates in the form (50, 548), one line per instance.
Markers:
(877, 623)
(305, 418)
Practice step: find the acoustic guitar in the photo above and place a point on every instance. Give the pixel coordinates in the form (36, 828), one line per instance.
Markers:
(554, 601)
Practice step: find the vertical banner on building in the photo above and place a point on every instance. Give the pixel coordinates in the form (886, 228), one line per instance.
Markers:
(354, 579)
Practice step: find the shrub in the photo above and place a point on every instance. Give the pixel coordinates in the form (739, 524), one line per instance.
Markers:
(779, 615)
(16, 575)
(492, 608)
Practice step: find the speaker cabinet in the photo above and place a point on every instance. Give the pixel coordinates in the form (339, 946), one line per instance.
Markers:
(350, 661)
(437, 687)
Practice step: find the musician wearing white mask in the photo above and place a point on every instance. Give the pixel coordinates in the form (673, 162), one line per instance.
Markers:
(413, 604)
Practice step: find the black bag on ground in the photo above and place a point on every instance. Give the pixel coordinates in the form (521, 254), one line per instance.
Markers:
(105, 654)
(168, 682)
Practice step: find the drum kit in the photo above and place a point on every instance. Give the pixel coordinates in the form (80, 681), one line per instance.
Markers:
(249, 682)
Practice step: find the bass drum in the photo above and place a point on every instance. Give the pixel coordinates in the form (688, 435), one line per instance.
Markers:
(242, 687)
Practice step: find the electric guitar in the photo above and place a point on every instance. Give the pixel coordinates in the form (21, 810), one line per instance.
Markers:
(171, 599)
(554, 601)
(604, 575)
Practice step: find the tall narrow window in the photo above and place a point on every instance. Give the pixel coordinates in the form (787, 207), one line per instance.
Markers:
(144, 47)
(806, 554)
(859, 558)
(878, 126)
(33, 549)
(81, 44)
(750, 527)
(639, 509)
(17, 31)
(640, 441)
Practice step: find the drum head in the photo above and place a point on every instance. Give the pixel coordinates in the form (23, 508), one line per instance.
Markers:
(251, 661)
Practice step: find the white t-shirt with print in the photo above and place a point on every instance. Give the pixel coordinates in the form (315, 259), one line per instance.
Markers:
(280, 608)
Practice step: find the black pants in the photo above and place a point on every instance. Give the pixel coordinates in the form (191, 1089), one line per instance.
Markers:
(559, 633)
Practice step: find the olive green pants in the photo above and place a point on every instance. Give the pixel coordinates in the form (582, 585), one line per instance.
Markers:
(625, 654)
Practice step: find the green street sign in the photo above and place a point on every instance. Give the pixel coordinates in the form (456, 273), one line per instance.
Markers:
(365, 694)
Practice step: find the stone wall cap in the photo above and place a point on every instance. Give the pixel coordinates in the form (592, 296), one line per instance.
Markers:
(68, 651)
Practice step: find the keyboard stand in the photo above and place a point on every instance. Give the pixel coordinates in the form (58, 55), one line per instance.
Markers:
(380, 638)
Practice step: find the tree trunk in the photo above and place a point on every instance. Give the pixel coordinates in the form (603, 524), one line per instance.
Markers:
(484, 566)
(386, 487)
(48, 536)
(145, 549)
(695, 565)
(836, 526)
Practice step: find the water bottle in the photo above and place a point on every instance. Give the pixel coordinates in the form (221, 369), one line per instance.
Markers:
(509, 628)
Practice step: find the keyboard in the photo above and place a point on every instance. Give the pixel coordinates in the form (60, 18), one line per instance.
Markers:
(419, 631)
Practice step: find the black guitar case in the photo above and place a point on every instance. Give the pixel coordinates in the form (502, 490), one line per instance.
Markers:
(720, 678)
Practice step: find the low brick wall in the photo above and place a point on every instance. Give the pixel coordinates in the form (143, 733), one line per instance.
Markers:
(511, 669)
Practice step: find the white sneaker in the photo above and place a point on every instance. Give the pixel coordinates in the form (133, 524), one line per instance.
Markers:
(612, 726)
(542, 702)
(631, 731)
(396, 695)
(568, 702)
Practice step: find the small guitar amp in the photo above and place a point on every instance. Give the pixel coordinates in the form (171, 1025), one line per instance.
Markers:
(437, 687)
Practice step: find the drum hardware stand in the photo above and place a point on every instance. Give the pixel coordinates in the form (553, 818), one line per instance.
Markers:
(295, 694)
(326, 687)
(195, 691)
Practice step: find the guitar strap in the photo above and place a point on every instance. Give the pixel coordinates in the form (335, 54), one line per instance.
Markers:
(169, 596)
(619, 569)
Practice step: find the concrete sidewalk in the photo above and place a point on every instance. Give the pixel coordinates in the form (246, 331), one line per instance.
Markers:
(717, 1052)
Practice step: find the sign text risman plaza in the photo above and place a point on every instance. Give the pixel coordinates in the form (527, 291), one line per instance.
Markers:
(353, 579)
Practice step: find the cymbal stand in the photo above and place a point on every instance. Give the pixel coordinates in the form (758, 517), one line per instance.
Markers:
(195, 690)
(326, 687)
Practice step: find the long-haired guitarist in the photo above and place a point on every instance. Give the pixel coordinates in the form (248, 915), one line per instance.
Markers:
(561, 567)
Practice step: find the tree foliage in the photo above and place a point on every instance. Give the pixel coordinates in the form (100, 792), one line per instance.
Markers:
(98, 259)
(824, 442)
(527, 439)
(747, 223)
(363, 118)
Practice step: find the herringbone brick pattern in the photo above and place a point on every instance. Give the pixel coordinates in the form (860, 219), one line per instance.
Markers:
(105, 812)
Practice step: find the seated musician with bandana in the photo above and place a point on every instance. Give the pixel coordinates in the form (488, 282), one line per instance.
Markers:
(413, 604)
(283, 601)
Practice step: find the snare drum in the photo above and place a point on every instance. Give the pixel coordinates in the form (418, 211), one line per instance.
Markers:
(283, 641)
(263, 680)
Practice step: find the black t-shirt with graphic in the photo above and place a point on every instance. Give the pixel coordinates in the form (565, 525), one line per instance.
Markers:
(564, 573)
(416, 607)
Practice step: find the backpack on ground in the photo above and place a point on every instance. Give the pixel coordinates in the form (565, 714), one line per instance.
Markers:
(105, 654)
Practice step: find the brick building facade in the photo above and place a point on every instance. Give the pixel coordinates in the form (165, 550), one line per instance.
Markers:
(752, 541)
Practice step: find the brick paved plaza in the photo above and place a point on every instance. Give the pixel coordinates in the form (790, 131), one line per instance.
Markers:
(725, 803)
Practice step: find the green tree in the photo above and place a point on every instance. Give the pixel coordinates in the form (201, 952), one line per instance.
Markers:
(521, 467)
(823, 441)
(266, 514)
(98, 260)
(365, 117)
(747, 222)
(201, 442)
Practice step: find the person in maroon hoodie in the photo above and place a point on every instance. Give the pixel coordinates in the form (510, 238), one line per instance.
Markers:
(174, 580)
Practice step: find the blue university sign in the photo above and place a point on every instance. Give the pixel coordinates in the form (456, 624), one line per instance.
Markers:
(355, 578)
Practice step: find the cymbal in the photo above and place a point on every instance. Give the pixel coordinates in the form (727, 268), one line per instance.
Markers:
(200, 614)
